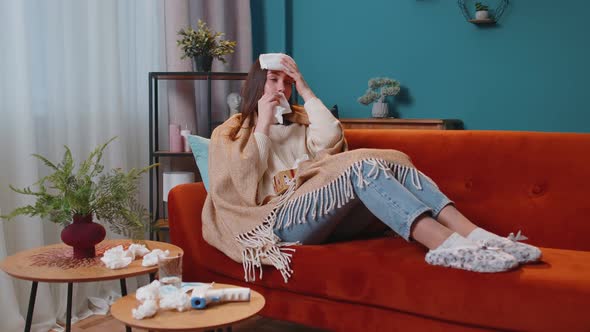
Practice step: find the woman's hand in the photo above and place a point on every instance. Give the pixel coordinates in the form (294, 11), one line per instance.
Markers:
(293, 72)
(266, 106)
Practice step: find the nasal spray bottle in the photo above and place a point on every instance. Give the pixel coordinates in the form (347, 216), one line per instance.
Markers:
(203, 296)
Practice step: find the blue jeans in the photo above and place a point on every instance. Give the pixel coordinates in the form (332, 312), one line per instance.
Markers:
(397, 205)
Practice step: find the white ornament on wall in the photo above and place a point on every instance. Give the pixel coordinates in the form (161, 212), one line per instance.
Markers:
(482, 14)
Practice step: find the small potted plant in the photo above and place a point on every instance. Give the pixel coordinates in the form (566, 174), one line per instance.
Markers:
(481, 11)
(72, 199)
(379, 88)
(202, 45)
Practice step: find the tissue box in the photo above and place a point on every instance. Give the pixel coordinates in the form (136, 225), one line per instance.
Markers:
(282, 179)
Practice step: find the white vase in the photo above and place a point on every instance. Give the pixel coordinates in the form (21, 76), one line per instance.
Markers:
(482, 15)
(380, 110)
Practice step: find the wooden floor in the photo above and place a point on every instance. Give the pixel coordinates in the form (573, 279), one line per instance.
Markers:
(259, 324)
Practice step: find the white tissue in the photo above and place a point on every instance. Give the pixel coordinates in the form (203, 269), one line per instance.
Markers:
(157, 296)
(272, 61)
(147, 308)
(148, 292)
(151, 259)
(116, 258)
(282, 108)
(174, 298)
(102, 305)
(136, 250)
(303, 158)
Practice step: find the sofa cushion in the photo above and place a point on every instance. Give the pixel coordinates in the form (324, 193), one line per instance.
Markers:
(391, 273)
(200, 148)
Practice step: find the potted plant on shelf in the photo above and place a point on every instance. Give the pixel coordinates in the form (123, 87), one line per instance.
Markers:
(202, 45)
(481, 11)
(72, 199)
(379, 89)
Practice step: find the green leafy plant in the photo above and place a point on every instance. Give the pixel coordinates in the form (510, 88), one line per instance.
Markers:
(480, 7)
(379, 88)
(203, 41)
(110, 197)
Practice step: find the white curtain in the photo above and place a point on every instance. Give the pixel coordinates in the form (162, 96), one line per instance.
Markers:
(71, 73)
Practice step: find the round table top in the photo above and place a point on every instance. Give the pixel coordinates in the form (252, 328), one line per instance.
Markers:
(217, 315)
(55, 263)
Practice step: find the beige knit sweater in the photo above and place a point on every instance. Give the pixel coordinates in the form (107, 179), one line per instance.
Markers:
(286, 146)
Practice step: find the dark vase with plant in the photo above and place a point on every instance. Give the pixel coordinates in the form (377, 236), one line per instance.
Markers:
(203, 45)
(73, 199)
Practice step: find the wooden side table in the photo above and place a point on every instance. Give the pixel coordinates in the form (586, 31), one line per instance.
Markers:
(214, 317)
(55, 263)
(392, 123)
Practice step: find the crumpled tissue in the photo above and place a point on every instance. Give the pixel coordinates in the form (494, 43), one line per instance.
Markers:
(147, 308)
(174, 298)
(149, 292)
(148, 296)
(136, 250)
(156, 296)
(151, 259)
(282, 108)
(116, 258)
(102, 305)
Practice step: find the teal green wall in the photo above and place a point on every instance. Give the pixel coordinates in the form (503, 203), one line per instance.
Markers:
(530, 72)
(269, 28)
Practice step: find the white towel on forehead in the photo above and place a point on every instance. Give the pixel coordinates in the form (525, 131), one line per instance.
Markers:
(272, 61)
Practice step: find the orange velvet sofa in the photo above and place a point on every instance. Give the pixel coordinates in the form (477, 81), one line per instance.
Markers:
(504, 181)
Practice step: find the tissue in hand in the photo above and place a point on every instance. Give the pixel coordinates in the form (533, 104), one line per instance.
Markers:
(282, 108)
(272, 61)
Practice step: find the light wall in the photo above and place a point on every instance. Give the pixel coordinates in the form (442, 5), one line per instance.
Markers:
(529, 72)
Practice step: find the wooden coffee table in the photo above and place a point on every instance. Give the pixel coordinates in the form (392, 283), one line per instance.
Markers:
(55, 263)
(213, 317)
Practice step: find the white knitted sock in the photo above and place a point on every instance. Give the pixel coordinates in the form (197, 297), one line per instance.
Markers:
(455, 240)
(461, 253)
(525, 253)
(479, 234)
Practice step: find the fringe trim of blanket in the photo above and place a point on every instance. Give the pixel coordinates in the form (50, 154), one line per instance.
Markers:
(261, 242)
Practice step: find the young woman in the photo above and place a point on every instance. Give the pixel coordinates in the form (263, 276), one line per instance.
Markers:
(295, 182)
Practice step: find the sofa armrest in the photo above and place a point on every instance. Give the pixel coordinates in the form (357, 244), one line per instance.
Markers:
(185, 203)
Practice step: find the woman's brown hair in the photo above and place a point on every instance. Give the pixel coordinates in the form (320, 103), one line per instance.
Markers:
(252, 91)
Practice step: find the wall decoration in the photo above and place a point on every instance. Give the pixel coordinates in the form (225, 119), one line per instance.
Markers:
(482, 13)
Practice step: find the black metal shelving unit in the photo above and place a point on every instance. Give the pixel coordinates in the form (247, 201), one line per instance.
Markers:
(155, 152)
